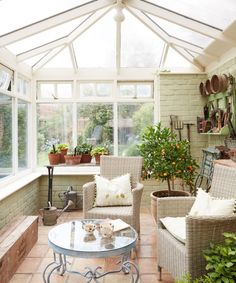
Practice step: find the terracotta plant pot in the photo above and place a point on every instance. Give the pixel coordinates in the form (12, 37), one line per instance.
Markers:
(97, 158)
(202, 89)
(62, 155)
(86, 158)
(162, 194)
(54, 158)
(208, 87)
(219, 83)
(72, 160)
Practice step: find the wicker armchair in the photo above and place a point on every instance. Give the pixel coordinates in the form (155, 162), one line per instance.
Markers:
(111, 167)
(179, 258)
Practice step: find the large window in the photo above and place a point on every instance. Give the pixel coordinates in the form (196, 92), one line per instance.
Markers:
(54, 126)
(107, 113)
(132, 119)
(5, 135)
(22, 134)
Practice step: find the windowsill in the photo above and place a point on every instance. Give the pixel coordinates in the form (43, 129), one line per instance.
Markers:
(80, 170)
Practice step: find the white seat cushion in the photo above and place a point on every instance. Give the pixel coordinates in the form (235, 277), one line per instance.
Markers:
(176, 226)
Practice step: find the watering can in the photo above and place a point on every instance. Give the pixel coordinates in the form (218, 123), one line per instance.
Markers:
(50, 214)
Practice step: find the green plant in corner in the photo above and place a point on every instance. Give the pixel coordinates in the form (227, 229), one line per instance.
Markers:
(53, 150)
(221, 260)
(165, 157)
(85, 148)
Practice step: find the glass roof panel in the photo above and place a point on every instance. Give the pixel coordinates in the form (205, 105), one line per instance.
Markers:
(141, 48)
(16, 14)
(61, 60)
(181, 32)
(33, 60)
(218, 13)
(45, 36)
(174, 62)
(96, 46)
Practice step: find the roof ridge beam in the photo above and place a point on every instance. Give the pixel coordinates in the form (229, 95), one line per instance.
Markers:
(55, 20)
(179, 19)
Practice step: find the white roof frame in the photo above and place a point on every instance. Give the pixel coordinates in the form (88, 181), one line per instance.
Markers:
(179, 19)
(55, 20)
(91, 20)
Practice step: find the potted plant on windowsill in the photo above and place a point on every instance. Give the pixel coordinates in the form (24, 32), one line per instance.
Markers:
(73, 158)
(166, 159)
(63, 148)
(54, 156)
(85, 149)
(98, 151)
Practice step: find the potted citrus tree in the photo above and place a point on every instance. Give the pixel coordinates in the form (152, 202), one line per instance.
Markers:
(166, 159)
(98, 151)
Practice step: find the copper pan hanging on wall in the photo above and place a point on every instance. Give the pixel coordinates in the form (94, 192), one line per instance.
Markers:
(202, 89)
(219, 83)
(208, 87)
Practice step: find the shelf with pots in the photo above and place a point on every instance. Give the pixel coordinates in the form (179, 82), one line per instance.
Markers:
(219, 110)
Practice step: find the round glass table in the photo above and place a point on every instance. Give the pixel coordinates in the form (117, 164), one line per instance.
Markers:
(70, 239)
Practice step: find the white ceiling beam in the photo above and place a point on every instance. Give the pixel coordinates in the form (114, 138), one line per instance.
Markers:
(179, 19)
(188, 57)
(55, 20)
(49, 56)
(73, 57)
(64, 40)
(163, 56)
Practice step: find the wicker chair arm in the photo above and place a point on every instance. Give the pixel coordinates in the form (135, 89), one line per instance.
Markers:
(200, 232)
(173, 207)
(89, 191)
(137, 194)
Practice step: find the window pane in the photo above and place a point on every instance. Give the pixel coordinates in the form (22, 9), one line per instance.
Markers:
(95, 89)
(22, 134)
(64, 90)
(132, 119)
(219, 13)
(136, 90)
(5, 135)
(54, 126)
(23, 86)
(6, 78)
(46, 90)
(87, 90)
(95, 124)
(139, 49)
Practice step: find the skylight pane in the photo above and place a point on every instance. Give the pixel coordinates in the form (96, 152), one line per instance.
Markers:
(218, 13)
(61, 60)
(33, 60)
(175, 62)
(16, 14)
(181, 32)
(96, 46)
(140, 47)
(45, 36)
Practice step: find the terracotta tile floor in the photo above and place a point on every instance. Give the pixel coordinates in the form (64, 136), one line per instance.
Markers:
(30, 271)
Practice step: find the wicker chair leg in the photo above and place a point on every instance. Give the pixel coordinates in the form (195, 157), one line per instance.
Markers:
(159, 272)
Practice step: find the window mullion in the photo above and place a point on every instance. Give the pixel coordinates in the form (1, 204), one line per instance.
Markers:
(115, 117)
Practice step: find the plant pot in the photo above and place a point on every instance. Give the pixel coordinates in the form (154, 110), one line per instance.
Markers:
(97, 158)
(86, 158)
(62, 155)
(54, 158)
(162, 194)
(72, 160)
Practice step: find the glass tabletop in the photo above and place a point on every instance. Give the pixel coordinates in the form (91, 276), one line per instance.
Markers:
(70, 239)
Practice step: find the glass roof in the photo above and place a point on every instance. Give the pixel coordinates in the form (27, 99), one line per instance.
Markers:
(45, 36)
(96, 46)
(139, 49)
(181, 32)
(217, 13)
(26, 12)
